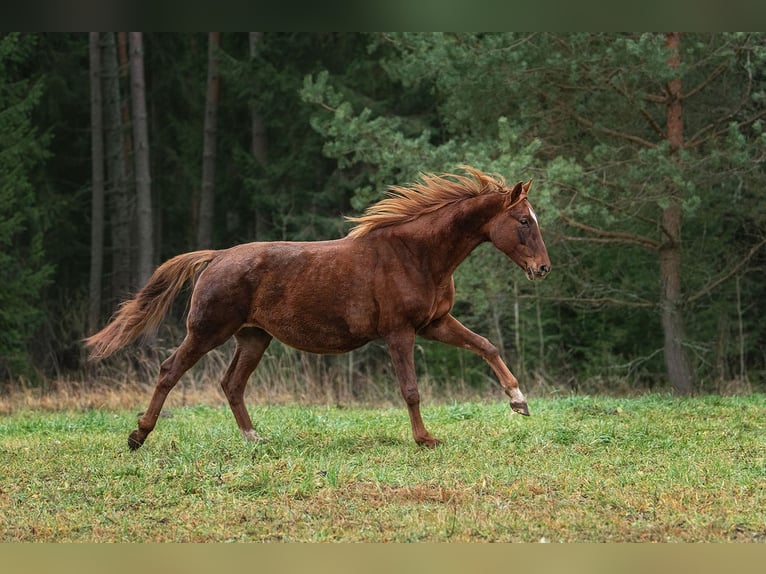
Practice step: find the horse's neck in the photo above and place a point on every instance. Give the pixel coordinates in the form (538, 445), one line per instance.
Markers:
(443, 239)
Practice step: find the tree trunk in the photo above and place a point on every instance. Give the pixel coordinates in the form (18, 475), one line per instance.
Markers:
(127, 141)
(676, 360)
(207, 193)
(119, 204)
(259, 141)
(97, 166)
(141, 155)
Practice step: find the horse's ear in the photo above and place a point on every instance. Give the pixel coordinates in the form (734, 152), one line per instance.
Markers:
(525, 187)
(518, 189)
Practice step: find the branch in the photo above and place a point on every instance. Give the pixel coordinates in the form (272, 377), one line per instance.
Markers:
(654, 125)
(655, 99)
(617, 207)
(647, 116)
(697, 139)
(609, 236)
(622, 135)
(595, 301)
(728, 275)
(707, 81)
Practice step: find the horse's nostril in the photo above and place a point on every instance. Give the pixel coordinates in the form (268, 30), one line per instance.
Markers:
(544, 269)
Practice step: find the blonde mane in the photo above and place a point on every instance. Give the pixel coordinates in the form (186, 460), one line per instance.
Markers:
(433, 192)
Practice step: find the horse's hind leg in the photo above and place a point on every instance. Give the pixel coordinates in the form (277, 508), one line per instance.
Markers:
(251, 344)
(401, 349)
(188, 353)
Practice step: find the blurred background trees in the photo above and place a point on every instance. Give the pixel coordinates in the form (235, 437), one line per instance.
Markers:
(646, 153)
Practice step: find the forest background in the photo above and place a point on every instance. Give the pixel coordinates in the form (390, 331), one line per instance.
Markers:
(646, 151)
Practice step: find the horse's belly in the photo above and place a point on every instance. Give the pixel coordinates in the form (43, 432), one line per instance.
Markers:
(315, 337)
(325, 326)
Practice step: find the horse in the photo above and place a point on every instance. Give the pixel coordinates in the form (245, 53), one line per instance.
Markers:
(390, 278)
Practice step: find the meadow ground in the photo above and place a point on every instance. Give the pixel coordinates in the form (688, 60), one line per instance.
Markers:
(653, 468)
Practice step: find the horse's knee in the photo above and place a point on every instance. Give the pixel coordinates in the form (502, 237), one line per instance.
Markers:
(489, 351)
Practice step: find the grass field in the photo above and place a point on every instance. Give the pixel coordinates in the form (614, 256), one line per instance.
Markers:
(654, 468)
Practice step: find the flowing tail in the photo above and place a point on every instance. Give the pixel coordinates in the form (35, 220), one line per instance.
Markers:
(148, 308)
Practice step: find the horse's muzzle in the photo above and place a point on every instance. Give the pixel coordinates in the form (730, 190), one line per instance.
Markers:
(537, 271)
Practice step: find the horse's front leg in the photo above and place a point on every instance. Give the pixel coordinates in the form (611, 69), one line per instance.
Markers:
(401, 348)
(449, 330)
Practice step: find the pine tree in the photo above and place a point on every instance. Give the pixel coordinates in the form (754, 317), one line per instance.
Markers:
(207, 190)
(97, 183)
(118, 184)
(23, 150)
(144, 215)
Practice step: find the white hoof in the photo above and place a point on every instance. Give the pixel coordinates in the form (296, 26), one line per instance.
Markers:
(252, 436)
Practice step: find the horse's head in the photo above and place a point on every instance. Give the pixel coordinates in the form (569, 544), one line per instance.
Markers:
(516, 233)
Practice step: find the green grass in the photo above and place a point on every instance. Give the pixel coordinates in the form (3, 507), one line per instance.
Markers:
(580, 469)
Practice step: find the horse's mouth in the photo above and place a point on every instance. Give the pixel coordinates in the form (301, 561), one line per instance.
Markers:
(540, 272)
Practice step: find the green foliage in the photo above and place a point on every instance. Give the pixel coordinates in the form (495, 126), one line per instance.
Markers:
(24, 271)
(389, 142)
(296, 194)
(346, 115)
(583, 114)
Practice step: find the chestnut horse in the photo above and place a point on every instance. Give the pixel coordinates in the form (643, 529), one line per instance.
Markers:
(390, 278)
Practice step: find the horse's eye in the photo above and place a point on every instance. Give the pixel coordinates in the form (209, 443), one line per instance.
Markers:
(524, 221)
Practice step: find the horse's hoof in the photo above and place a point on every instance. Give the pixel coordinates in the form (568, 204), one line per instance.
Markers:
(429, 442)
(134, 442)
(520, 408)
(252, 436)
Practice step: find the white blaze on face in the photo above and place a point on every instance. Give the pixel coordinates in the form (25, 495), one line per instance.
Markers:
(532, 213)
